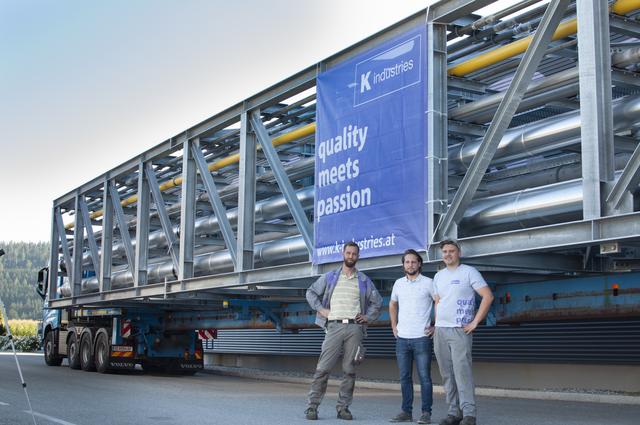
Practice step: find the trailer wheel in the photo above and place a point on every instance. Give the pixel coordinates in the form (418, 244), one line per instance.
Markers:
(102, 353)
(86, 353)
(73, 352)
(51, 358)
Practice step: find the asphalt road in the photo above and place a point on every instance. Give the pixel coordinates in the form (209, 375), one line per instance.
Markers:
(69, 397)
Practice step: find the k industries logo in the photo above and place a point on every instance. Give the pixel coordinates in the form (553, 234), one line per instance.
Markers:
(388, 72)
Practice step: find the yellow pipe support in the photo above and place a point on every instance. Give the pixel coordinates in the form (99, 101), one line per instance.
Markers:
(565, 29)
(296, 134)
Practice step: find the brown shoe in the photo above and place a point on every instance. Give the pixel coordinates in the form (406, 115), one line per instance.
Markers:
(311, 413)
(344, 413)
(402, 417)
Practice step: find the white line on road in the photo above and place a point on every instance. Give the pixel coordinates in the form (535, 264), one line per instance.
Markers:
(3, 404)
(50, 418)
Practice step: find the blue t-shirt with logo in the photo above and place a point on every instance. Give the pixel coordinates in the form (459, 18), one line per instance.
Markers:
(457, 292)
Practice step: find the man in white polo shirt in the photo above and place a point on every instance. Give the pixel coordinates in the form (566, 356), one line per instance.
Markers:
(455, 288)
(410, 314)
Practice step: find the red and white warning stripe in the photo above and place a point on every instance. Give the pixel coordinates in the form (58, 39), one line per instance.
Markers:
(125, 330)
(207, 333)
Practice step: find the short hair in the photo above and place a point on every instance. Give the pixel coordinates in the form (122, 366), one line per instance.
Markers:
(449, 242)
(350, 243)
(412, 252)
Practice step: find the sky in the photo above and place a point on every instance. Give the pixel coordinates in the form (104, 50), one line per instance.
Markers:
(87, 85)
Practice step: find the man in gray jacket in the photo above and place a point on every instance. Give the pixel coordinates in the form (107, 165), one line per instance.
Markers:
(345, 301)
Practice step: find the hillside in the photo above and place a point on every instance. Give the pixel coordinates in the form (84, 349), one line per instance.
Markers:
(18, 273)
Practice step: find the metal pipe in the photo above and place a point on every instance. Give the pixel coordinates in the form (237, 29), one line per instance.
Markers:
(561, 84)
(543, 135)
(296, 134)
(265, 210)
(526, 208)
(548, 176)
(565, 29)
(490, 19)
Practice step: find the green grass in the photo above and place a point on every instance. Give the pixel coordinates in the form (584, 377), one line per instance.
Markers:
(23, 327)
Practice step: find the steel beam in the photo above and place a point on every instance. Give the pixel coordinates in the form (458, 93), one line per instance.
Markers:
(594, 64)
(140, 277)
(75, 275)
(107, 238)
(215, 201)
(52, 277)
(246, 195)
(548, 238)
(122, 225)
(623, 25)
(165, 221)
(628, 180)
(436, 117)
(88, 227)
(447, 11)
(187, 211)
(288, 192)
(503, 116)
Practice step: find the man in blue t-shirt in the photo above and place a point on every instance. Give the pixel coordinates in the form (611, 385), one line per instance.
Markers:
(455, 289)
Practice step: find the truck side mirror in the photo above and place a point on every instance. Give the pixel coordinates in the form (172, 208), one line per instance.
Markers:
(41, 286)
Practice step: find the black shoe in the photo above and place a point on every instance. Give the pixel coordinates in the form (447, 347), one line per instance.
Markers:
(451, 420)
(468, 420)
(402, 417)
(425, 418)
(344, 413)
(311, 413)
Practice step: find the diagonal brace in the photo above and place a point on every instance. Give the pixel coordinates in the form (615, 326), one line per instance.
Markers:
(283, 180)
(66, 254)
(122, 225)
(167, 227)
(628, 180)
(503, 116)
(93, 246)
(216, 202)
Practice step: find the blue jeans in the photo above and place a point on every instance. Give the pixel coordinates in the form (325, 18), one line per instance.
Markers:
(408, 350)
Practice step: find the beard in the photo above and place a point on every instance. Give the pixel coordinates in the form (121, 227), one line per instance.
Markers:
(412, 273)
(350, 263)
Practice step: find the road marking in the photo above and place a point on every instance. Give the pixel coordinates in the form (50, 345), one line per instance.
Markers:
(3, 404)
(50, 418)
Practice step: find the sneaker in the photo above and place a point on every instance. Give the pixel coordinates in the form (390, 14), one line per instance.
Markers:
(425, 418)
(402, 417)
(468, 420)
(311, 413)
(451, 420)
(344, 413)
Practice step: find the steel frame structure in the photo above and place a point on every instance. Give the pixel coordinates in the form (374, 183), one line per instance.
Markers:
(220, 210)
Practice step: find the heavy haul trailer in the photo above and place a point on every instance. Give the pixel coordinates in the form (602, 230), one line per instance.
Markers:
(516, 133)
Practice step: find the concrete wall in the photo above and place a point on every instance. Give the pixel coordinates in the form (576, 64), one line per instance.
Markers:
(499, 375)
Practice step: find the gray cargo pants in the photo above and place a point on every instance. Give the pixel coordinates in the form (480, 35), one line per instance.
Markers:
(453, 352)
(340, 337)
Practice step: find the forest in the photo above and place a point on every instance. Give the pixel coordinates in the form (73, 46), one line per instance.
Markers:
(18, 274)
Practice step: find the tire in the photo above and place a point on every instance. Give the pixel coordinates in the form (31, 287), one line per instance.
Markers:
(102, 352)
(86, 353)
(51, 357)
(73, 352)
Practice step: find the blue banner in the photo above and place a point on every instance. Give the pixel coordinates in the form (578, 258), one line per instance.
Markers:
(370, 166)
